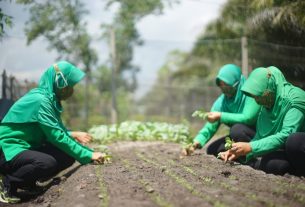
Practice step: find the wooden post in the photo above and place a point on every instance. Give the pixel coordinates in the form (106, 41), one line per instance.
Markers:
(4, 85)
(114, 112)
(87, 97)
(244, 56)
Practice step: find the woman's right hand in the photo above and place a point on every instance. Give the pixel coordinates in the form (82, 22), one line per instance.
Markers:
(190, 149)
(98, 157)
(213, 116)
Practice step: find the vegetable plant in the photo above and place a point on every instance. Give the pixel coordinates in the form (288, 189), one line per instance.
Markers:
(141, 131)
(229, 142)
(228, 145)
(200, 113)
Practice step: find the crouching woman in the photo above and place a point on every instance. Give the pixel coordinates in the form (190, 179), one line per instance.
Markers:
(34, 143)
(278, 146)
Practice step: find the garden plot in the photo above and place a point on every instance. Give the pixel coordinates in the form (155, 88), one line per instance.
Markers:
(153, 174)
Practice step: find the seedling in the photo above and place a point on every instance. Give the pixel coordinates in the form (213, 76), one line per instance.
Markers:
(228, 145)
(229, 142)
(187, 149)
(106, 159)
(200, 113)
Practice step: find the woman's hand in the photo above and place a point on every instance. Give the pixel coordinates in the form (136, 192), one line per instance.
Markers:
(213, 116)
(81, 137)
(238, 149)
(98, 157)
(225, 155)
(190, 149)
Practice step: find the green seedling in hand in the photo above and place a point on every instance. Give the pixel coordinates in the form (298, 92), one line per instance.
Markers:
(228, 145)
(106, 159)
(187, 149)
(200, 113)
(229, 142)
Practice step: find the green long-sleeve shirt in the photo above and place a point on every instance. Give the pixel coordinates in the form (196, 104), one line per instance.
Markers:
(16, 138)
(294, 121)
(248, 116)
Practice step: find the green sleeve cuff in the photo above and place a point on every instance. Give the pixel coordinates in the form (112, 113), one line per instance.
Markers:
(251, 154)
(86, 158)
(249, 157)
(202, 140)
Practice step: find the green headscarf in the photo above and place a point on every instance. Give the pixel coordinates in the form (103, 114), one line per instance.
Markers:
(231, 75)
(271, 80)
(41, 104)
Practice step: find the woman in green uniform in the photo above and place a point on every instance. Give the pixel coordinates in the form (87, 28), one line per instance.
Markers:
(230, 108)
(34, 143)
(280, 139)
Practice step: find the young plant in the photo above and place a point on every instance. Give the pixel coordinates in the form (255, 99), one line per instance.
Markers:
(229, 142)
(187, 149)
(228, 145)
(105, 160)
(200, 113)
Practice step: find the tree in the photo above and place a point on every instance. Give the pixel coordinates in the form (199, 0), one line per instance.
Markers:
(126, 34)
(5, 21)
(272, 27)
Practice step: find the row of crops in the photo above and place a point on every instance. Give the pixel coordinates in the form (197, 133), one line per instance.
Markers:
(141, 131)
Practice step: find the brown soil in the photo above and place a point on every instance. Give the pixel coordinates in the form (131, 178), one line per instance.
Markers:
(153, 174)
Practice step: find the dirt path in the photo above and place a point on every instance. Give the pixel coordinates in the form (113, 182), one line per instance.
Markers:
(152, 174)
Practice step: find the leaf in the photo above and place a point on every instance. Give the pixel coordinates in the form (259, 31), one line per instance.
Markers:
(200, 113)
(228, 143)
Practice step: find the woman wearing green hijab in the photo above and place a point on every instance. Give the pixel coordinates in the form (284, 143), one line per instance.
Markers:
(34, 143)
(280, 137)
(230, 108)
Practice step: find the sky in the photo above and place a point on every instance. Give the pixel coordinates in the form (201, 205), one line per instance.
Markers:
(177, 28)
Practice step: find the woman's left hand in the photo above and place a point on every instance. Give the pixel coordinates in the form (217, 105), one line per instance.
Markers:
(213, 116)
(81, 137)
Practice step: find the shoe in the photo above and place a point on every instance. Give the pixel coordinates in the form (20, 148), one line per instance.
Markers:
(33, 190)
(5, 194)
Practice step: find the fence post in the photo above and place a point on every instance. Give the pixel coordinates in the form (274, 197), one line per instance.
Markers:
(4, 85)
(114, 109)
(11, 90)
(244, 56)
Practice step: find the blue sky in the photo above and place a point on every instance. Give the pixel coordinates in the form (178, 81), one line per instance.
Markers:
(177, 28)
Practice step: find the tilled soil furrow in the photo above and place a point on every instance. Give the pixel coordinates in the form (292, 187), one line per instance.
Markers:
(239, 179)
(82, 190)
(102, 186)
(209, 183)
(254, 183)
(166, 189)
(218, 193)
(181, 181)
(123, 187)
(152, 174)
(147, 185)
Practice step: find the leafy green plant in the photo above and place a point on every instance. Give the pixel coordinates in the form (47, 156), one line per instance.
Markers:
(141, 131)
(228, 145)
(229, 142)
(200, 113)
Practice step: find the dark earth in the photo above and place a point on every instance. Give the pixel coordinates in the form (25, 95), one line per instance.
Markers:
(153, 174)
